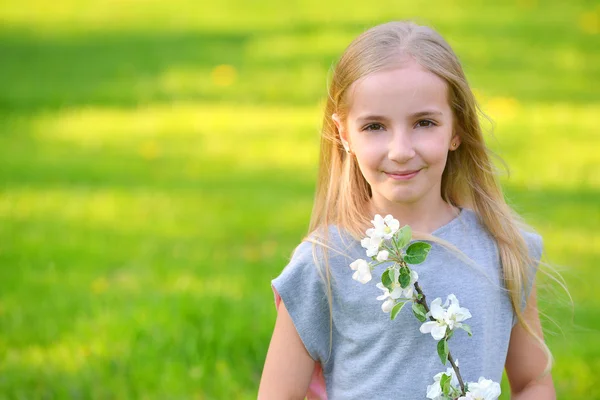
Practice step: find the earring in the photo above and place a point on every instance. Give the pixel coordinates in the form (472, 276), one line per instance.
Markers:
(453, 144)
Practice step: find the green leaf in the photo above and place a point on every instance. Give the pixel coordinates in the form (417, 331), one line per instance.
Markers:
(397, 308)
(403, 235)
(404, 277)
(417, 252)
(445, 384)
(419, 311)
(386, 279)
(467, 328)
(449, 334)
(442, 349)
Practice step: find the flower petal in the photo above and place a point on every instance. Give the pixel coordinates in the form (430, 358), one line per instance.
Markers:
(372, 251)
(378, 222)
(434, 391)
(437, 311)
(393, 224)
(408, 292)
(413, 276)
(396, 292)
(438, 332)
(388, 305)
(463, 314)
(452, 299)
(363, 271)
(356, 264)
(386, 292)
(366, 242)
(383, 255)
(427, 326)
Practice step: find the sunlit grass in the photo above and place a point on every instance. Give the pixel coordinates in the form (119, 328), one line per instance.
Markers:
(157, 167)
(558, 142)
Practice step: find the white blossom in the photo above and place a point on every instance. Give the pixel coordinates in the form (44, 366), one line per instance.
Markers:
(450, 315)
(388, 305)
(363, 271)
(372, 244)
(383, 255)
(434, 391)
(384, 227)
(484, 389)
(455, 313)
(409, 290)
(397, 292)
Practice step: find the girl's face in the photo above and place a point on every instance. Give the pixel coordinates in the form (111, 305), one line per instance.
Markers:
(399, 128)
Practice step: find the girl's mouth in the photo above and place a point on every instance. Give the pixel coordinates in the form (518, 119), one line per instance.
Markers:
(403, 177)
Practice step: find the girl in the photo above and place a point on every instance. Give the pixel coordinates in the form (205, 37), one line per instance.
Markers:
(401, 136)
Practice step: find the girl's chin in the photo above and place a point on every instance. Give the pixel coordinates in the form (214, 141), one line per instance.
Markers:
(403, 198)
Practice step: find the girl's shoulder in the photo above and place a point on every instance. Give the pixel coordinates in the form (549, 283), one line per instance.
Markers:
(531, 237)
(333, 239)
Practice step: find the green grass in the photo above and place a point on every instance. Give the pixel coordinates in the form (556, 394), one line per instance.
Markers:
(157, 167)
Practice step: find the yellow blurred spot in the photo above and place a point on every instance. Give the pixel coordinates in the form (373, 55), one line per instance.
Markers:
(125, 281)
(99, 285)
(269, 248)
(479, 96)
(251, 253)
(569, 59)
(195, 372)
(149, 150)
(67, 355)
(221, 368)
(505, 107)
(224, 75)
(589, 22)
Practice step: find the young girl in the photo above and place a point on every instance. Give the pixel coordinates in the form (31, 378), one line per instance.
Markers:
(401, 136)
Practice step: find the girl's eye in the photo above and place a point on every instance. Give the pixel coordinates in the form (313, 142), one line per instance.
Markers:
(425, 123)
(373, 127)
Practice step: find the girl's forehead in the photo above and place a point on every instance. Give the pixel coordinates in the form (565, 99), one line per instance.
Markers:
(406, 89)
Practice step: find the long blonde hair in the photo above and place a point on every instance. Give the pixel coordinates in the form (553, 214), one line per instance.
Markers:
(469, 179)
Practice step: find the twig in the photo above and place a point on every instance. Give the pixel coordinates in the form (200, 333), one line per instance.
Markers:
(423, 301)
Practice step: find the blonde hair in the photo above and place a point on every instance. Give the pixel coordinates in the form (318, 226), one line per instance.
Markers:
(469, 179)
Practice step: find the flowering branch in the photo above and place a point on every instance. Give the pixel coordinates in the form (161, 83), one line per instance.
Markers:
(399, 284)
(422, 300)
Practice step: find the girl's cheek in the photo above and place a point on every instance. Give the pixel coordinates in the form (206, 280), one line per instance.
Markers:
(431, 144)
(371, 154)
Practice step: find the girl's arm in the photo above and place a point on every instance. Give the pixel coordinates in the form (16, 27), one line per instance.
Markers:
(525, 360)
(288, 367)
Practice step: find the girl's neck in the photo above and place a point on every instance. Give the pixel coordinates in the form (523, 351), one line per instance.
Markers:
(421, 217)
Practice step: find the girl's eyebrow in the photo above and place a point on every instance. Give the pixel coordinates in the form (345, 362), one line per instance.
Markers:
(424, 113)
(429, 113)
(371, 118)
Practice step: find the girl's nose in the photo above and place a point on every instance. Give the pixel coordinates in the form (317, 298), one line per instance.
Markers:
(401, 147)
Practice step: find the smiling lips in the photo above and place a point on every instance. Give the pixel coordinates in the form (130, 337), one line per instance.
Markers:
(402, 175)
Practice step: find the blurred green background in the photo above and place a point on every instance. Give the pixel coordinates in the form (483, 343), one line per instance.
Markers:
(157, 168)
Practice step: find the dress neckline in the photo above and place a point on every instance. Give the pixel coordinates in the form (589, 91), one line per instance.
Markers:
(449, 224)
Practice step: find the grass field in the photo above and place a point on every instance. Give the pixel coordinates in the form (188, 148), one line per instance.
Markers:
(157, 167)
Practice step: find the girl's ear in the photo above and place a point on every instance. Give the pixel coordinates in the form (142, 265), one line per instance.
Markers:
(343, 134)
(454, 143)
